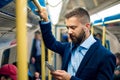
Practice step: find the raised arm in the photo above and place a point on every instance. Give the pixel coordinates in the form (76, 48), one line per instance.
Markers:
(49, 39)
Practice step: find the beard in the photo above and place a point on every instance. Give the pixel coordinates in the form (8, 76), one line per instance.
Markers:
(78, 39)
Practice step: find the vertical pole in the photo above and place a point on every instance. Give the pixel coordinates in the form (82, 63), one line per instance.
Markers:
(103, 34)
(49, 61)
(42, 46)
(43, 60)
(21, 30)
(103, 37)
(92, 30)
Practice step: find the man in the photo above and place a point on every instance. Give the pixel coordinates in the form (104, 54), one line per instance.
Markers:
(99, 36)
(107, 43)
(36, 52)
(117, 69)
(84, 58)
(8, 72)
(36, 76)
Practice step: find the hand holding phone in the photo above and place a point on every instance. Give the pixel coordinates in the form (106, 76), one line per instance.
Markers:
(50, 67)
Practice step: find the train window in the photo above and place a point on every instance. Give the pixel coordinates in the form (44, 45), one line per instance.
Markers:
(5, 56)
(9, 56)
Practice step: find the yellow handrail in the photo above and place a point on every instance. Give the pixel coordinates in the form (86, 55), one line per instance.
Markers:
(37, 5)
(42, 47)
(103, 37)
(21, 30)
(43, 60)
(112, 21)
(49, 61)
(107, 22)
(92, 30)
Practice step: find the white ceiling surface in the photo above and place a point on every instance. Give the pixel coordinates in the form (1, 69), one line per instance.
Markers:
(54, 8)
(105, 13)
(57, 8)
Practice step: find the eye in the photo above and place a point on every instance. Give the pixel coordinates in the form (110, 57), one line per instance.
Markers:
(67, 27)
(72, 27)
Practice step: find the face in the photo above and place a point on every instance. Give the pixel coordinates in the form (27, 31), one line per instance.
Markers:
(77, 31)
(98, 36)
(37, 75)
(117, 61)
(5, 78)
(38, 36)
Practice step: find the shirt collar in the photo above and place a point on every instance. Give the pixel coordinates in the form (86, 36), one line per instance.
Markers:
(88, 42)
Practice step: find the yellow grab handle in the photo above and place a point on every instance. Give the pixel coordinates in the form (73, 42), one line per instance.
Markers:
(37, 4)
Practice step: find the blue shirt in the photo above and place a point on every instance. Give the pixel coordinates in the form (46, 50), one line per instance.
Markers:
(38, 48)
(78, 54)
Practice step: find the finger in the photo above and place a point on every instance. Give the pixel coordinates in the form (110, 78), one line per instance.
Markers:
(58, 77)
(61, 71)
(55, 73)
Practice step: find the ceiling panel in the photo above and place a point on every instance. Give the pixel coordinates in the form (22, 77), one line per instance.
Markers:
(92, 6)
(6, 21)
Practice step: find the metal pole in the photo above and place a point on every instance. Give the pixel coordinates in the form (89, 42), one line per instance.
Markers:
(92, 29)
(43, 60)
(37, 4)
(49, 61)
(103, 37)
(42, 46)
(21, 30)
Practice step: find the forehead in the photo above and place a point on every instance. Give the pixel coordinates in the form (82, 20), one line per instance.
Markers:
(72, 20)
(37, 34)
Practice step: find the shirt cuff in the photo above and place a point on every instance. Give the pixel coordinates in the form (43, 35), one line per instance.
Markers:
(42, 22)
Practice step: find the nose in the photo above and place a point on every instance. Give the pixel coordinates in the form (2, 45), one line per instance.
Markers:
(69, 31)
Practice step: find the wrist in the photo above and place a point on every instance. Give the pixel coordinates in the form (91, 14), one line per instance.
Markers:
(46, 20)
(68, 77)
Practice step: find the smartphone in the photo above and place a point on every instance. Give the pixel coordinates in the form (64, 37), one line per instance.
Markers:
(50, 67)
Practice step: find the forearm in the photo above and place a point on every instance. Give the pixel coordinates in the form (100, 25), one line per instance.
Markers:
(47, 34)
(49, 39)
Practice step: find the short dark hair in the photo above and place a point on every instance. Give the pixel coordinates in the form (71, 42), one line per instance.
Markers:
(37, 32)
(117, 55)
(5, 76)
(80, 13)
(99, 34)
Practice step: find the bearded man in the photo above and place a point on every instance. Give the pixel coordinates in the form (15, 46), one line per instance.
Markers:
(84, 58)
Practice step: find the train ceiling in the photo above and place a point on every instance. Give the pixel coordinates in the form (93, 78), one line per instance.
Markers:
(8, 18)
(7, 10)
(92, 6)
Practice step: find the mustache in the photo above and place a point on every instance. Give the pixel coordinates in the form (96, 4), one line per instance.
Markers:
(71, 35)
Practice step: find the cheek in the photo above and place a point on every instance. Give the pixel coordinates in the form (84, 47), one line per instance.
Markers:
(78, 31)
(117, 61)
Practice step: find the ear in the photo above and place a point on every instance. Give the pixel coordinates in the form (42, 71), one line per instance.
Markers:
(88, 26)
